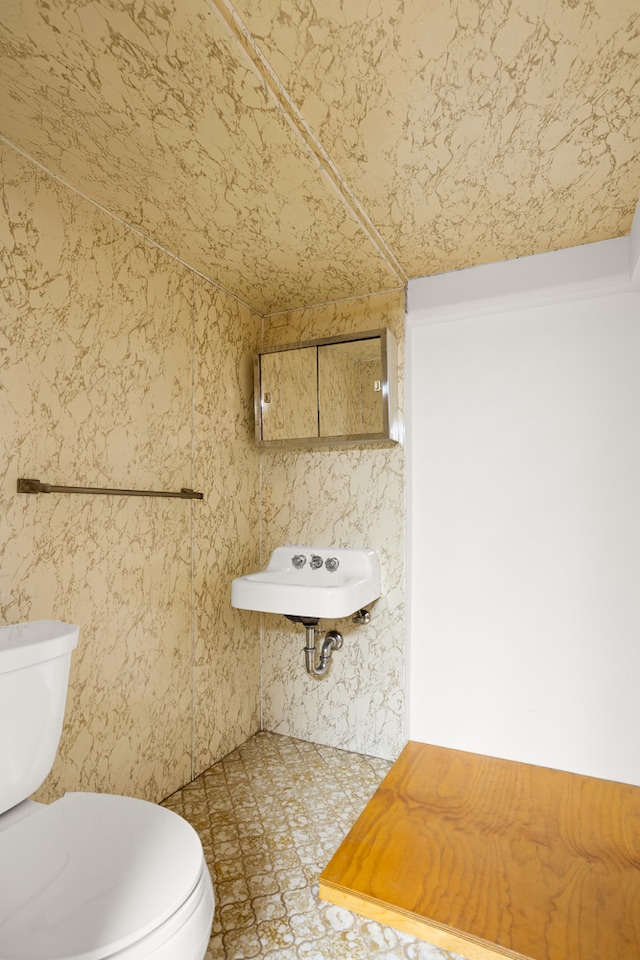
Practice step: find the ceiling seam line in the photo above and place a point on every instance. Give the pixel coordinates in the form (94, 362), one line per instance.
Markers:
(124, 223)
(328, 303)
(297, 122)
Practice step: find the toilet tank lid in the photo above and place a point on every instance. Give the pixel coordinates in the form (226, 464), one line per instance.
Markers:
(25, 644)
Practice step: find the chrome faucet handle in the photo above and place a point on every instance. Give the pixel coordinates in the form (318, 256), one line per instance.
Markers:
(299, 560)
(316, 561)
(332, 564)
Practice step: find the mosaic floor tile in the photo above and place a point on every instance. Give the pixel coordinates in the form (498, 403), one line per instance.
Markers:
(270, 816)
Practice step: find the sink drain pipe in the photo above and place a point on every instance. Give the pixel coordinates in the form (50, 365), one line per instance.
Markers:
(333, 640)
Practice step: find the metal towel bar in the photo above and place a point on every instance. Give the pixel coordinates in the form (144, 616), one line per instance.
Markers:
(34, 486)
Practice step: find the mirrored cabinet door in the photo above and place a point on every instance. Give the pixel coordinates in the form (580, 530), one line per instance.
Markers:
(289, 394)
(329, 391)
(350, 388)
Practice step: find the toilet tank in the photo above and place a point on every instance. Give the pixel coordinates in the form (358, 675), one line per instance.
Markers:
(34, 673)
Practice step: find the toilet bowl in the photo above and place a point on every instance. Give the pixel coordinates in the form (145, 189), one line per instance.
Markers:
(90, 876)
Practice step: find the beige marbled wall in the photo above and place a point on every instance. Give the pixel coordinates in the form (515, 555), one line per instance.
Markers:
(119, 367)
(340, 497)
(226, 648)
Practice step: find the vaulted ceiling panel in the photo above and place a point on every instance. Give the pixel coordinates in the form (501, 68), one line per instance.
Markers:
(296, 151)
(471, 130)
(153, 110)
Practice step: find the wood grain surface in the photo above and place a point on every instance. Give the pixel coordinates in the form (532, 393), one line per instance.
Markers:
(493, 858)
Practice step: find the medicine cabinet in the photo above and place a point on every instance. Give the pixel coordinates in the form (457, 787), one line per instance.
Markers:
(328, 391)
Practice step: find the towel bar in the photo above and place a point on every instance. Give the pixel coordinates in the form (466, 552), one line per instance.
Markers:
(34, 486)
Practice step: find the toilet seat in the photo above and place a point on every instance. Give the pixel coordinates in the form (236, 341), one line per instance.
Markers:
(91, 875)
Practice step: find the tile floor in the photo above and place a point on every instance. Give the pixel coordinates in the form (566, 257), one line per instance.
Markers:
(270, 816)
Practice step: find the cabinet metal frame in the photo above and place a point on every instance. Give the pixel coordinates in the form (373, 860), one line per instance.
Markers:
(389, 364)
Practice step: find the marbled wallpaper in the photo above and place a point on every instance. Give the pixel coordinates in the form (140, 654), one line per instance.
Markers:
(226, 545)
(338, 497)
(471, 131)
(121, 368)
(155, 112)
(298, 152)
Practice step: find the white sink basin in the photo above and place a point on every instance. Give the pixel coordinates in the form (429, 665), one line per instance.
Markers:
(312, 589)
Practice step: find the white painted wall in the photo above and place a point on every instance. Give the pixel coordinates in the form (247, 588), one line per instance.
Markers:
(524, 510)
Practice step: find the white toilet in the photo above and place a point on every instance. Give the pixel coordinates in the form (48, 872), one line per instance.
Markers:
(90, 876)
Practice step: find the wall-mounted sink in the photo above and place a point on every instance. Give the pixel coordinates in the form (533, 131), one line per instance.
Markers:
(312, 582)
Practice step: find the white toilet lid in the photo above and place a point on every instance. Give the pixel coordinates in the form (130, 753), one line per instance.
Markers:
(90, 874)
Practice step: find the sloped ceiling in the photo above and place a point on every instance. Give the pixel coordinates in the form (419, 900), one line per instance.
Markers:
(297, 151)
